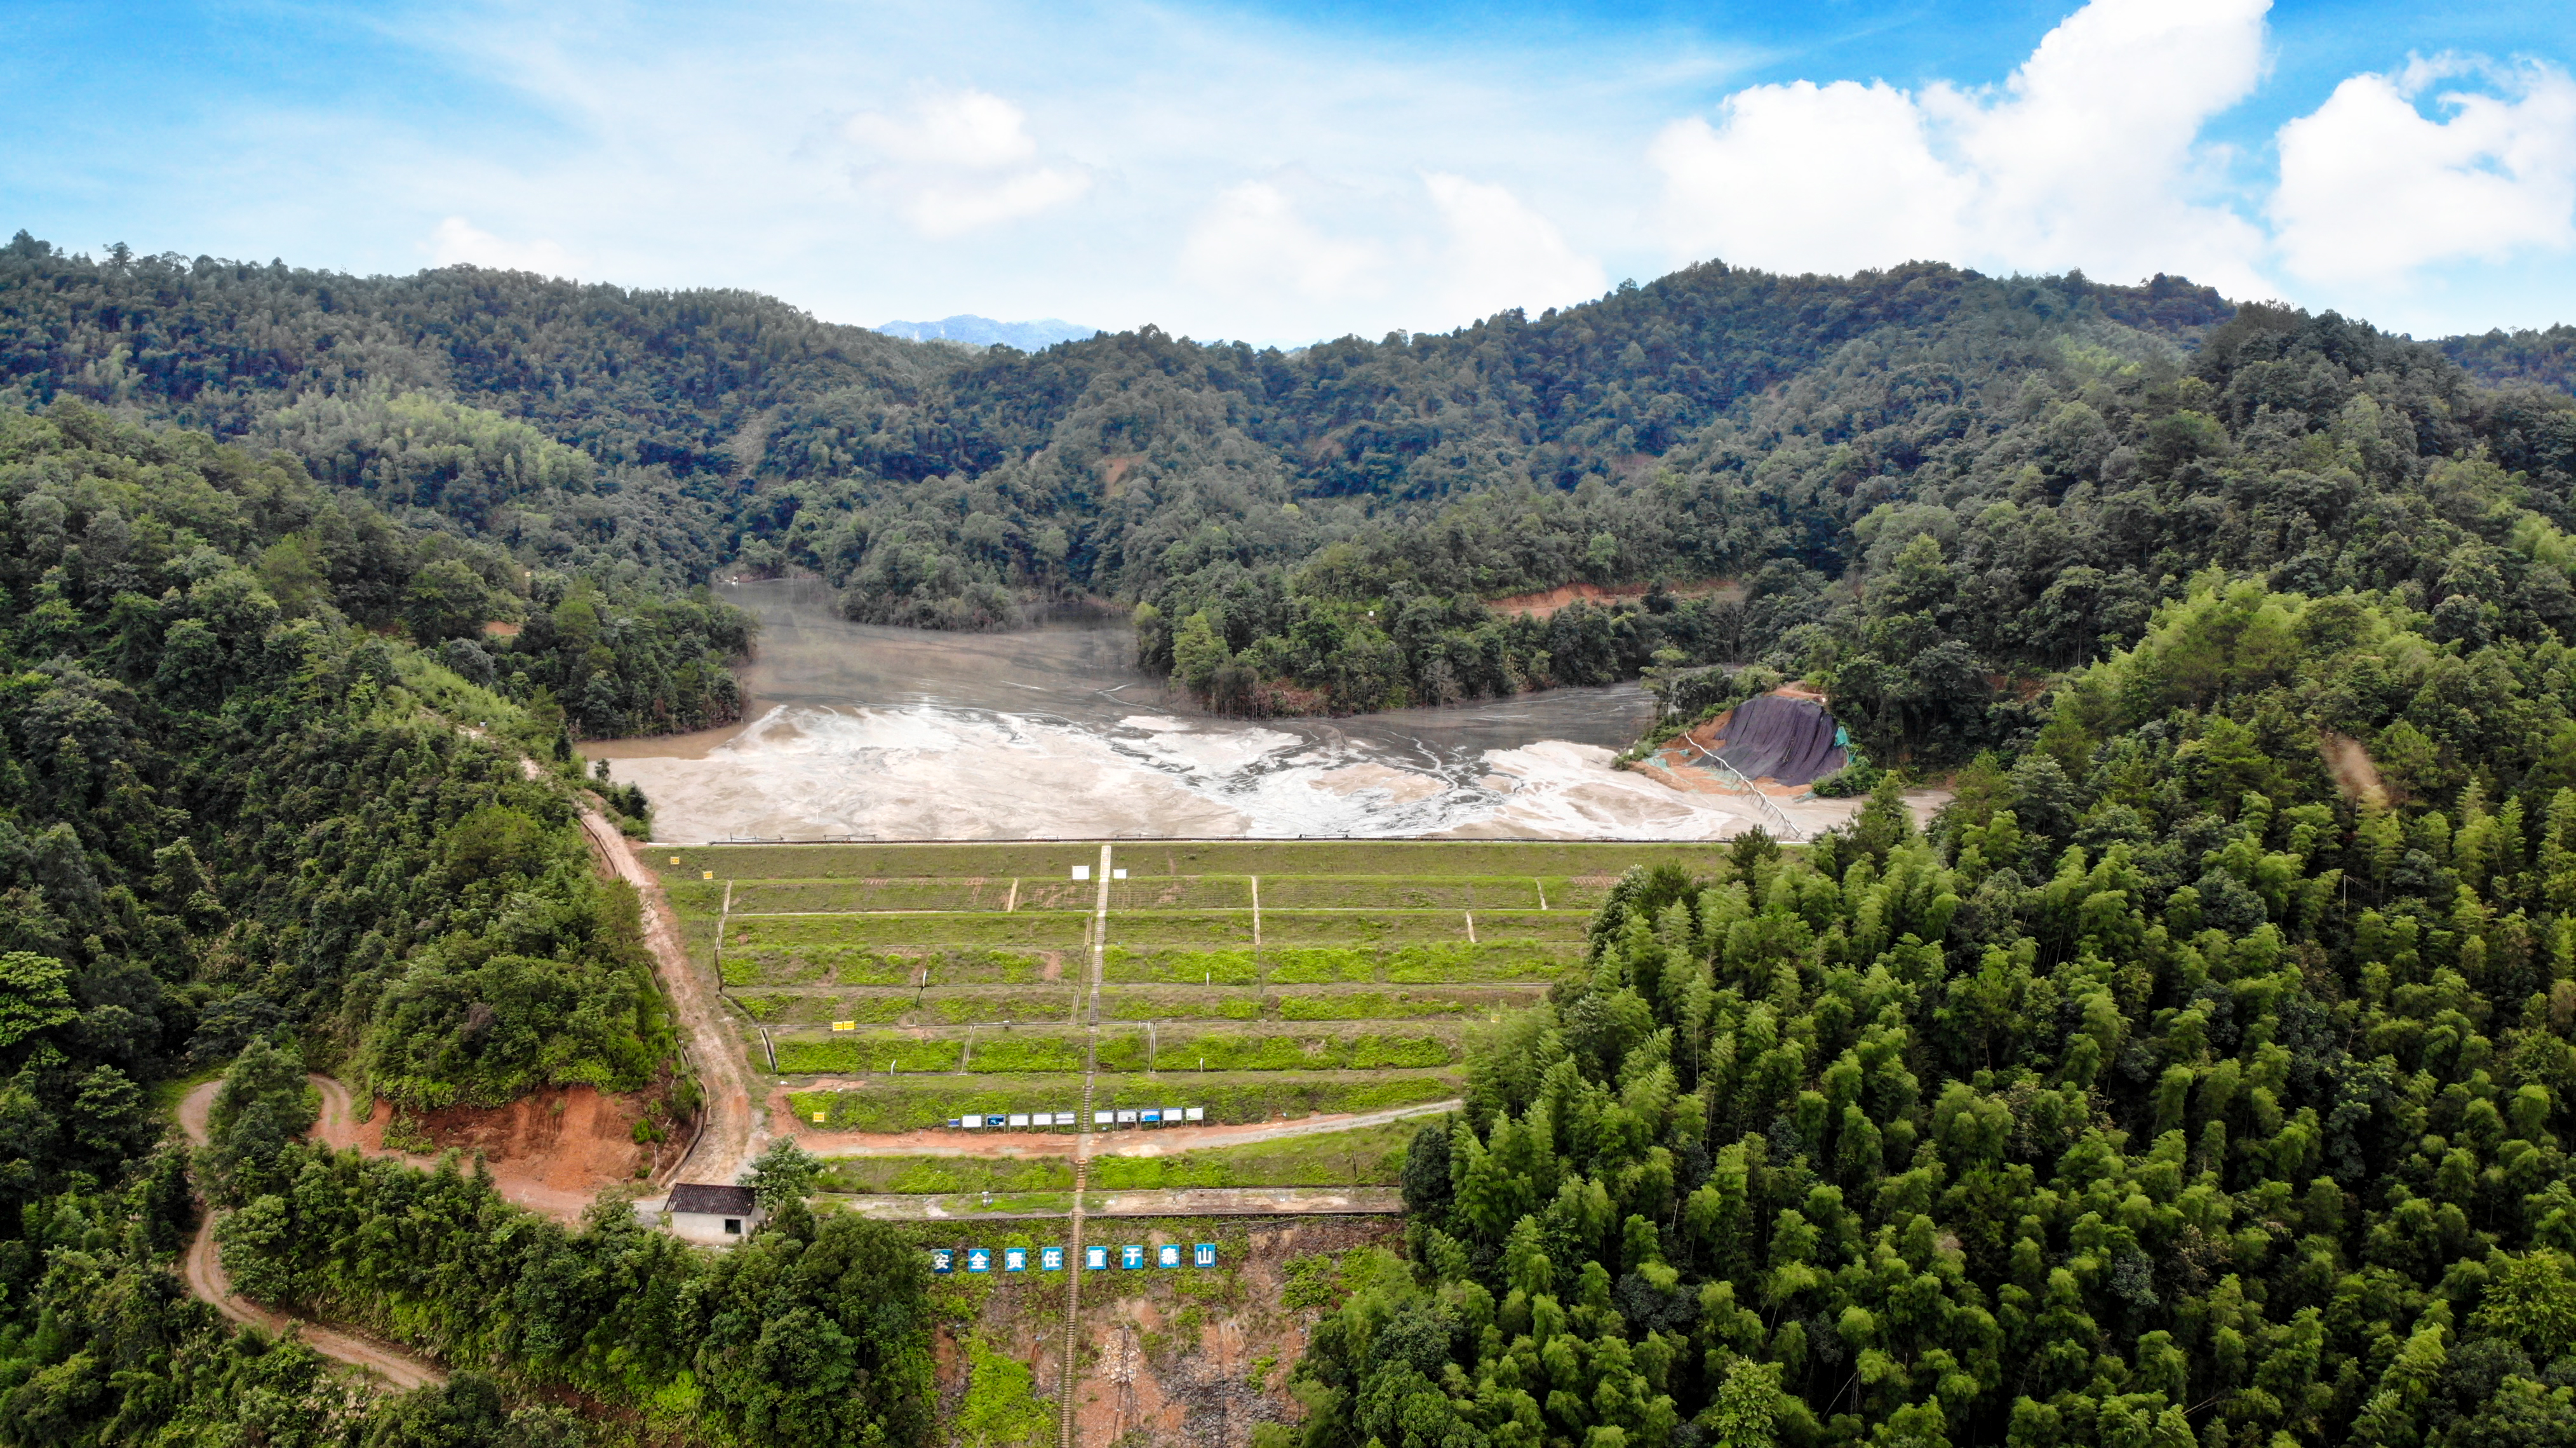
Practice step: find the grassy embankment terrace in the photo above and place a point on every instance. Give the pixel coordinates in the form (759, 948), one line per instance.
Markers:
(1257, 980)
(1365, 1156)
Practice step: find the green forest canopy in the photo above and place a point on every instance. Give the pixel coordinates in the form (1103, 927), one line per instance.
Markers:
(1319, 529)
(2170, 1091)
(2201, 1073)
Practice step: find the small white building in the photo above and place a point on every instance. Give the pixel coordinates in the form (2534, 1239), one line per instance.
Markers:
(719, 1216)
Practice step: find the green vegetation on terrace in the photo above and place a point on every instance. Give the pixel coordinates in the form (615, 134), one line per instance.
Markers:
(998, 1050)
(810, 1006)
(1538, 961)
(1325, 1005)
(1515, 947)
(1345, 892)
(1487, 960)
(1180, 893)
(1145, 964)
(1415, 927)
(811, 896)
(907, 1103)
(1342, 1044)
(1033, 930)
(1175, 1003)
(1262, 1096)
(902, 1103)
(1201, 930)
(1365, 1156)
(1356, 998)
(825, 965)
(1180, 1052)
(1180, 1003)
(944, 1175)
(815, 1006)
(1400, 859)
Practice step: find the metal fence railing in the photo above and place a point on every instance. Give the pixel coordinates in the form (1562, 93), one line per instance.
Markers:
(1788, 830)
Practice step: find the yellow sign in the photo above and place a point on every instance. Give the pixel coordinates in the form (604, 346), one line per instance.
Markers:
(706, 874)
(818, 1117)
(845, 1025)
(675, 859)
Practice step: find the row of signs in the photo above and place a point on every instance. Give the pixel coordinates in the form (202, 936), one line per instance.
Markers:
(1051, 1259)
(1146, 1116)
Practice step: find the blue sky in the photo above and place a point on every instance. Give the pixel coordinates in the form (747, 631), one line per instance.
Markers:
(1287, 172)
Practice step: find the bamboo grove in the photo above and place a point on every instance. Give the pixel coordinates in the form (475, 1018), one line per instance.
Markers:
(2172, 1089)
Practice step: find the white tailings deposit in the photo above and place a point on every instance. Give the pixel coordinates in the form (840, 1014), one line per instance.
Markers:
(861, 732)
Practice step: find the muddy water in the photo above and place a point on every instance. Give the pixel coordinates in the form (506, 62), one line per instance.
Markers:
(854, 731)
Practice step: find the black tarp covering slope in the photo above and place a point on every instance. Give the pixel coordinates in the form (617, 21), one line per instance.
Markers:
(1789, 740)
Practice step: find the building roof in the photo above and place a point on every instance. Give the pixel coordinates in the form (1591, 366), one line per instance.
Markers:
(713, 1201)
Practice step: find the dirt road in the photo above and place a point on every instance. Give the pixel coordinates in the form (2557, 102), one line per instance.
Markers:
(731, 1135)
(1161, 1141)
(1163, 1202)
(725, 1143)
(731, 1131)
(207, 1282)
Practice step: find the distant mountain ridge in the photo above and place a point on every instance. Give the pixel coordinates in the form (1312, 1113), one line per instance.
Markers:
(984, 331)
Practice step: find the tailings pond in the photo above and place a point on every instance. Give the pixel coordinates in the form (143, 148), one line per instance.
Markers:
(855, 731)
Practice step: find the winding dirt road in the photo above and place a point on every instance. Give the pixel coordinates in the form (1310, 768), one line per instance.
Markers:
(206, 1280)
(732, 1132)
(725, 1142)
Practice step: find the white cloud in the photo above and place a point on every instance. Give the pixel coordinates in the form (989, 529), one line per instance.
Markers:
(1313, 259)
(1502, 254)
(2088, 156)
(2372, 189)
(459, 242)
(969, 129)
(961, 162)
(1254, 241)
(1807, 178)
(955, 208)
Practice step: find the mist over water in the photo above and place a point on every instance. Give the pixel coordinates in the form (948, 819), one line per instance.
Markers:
(859, 731)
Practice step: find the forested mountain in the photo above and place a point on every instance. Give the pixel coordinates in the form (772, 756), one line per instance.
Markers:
(2193, 1082)
(2201, 1076)
(1319, 529)
(506, 428)
(2546, 356)
(233, 814)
